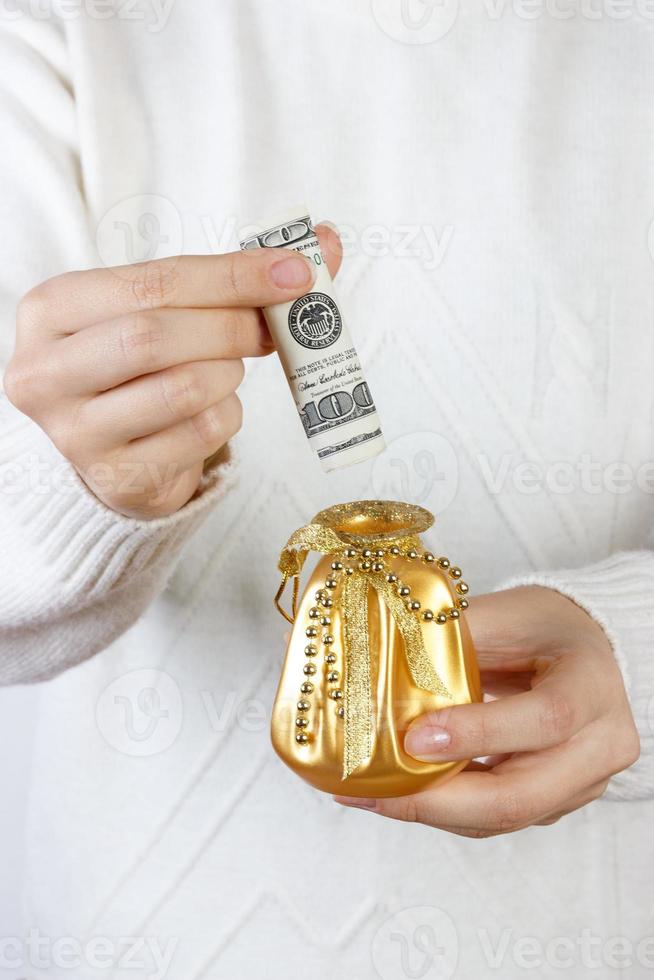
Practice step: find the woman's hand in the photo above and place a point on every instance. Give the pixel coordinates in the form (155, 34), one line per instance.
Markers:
(133, 371)
(560, 728)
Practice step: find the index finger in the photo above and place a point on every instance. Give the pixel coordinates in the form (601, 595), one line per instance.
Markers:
(75, 300)
(552, 712)
(512, 796)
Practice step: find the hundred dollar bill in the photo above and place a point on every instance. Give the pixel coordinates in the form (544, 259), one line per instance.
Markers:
(320, 361)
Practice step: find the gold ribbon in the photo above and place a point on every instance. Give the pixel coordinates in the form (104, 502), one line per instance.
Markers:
(356, 652)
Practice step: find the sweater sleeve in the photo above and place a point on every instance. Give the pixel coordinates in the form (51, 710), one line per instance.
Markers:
(619, 594)
(73, 574)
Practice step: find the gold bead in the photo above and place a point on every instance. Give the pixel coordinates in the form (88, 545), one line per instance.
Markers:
(378, 566)
(314, 613)
(414, 605)
(320, 595)
(301, 722)
(303, 705)
(302, 738)
(454, 613)
(307, 688)
(367, 553)
(333, 676)
(394, 550)
(310, 650)
(331, 583)
(404, 591)
(428, 615)
(365, 566)
(380, 553)
(444, 562)
(327, 602)
(309, 669)
(311, 631)
(455, 572)
(340, 711)
(336, 695)
(326, 621)
(337, 566)
(462, 587)
(428, 557)
(330, 658)
(350, 552)
(441, 618)
(391, 577)
(463, 603)
(412, 554)
(349, 570)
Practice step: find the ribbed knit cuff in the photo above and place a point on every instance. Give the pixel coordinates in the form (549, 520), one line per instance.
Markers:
(619, 594)
(64, 553)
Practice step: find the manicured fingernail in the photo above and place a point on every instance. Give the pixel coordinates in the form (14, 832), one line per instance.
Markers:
(330, 242)
(292, 273)
(427, 742)
(356, 801)
(327, 224)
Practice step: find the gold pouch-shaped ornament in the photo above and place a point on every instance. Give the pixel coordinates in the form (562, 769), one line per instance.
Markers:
(379, 637)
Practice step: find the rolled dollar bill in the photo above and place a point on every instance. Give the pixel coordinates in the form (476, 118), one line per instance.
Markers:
(320, 361)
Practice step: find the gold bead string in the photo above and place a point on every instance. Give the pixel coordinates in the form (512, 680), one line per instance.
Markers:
(369, 561)
(319, 616)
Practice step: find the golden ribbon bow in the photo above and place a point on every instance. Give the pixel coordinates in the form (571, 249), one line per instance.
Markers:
(356, 653)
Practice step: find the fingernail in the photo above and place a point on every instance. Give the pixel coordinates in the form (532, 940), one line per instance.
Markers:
(356, 801)
(292, 273)
(328, 224)
(332, 241)
(427, 742)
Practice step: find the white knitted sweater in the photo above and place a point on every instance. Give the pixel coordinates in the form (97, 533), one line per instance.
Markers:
(496, 187)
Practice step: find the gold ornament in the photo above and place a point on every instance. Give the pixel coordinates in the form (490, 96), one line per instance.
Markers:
(396, 646)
